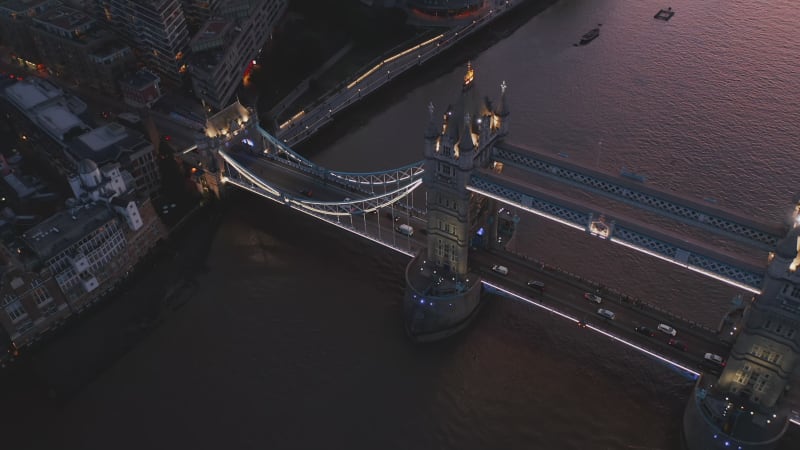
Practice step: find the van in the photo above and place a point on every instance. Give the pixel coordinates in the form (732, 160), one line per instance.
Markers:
(502, 270)
(606, 313)
(408, 230)
(664, 328)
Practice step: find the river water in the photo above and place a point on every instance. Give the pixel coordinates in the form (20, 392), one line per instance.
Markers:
(293, 337)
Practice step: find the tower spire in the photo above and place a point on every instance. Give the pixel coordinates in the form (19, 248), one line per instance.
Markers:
(465, 143)
(469, 77)
(431, 131)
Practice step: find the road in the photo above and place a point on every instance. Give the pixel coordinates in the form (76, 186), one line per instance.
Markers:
(566, 294)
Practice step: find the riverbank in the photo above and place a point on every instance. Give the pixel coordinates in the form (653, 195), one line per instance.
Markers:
(88, 344)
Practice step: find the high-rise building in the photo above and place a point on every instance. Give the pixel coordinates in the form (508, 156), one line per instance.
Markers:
(198, 11)
(155, 28)
(223, 50)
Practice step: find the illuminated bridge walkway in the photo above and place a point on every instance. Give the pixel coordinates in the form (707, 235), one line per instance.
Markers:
(352, 201)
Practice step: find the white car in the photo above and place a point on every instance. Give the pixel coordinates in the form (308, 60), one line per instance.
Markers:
(715, 359)
(664, 328)
(502, 270)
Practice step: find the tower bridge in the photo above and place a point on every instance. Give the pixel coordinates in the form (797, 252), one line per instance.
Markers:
(454, 228)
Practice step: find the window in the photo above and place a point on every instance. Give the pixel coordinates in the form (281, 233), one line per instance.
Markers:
(42, 296)
(15, 311)
(762, 380)
(742, 375)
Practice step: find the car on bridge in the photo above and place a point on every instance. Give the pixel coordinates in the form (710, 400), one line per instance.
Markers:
(714, 359)
(608, 314)
(502, 270)
(664, 328)
(593, 297)
(307, 192)
(645, 331)
(680, 345)
(535, 284)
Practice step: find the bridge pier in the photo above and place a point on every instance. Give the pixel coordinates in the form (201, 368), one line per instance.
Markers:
(436, 307)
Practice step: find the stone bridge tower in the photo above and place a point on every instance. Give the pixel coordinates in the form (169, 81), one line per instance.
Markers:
(749, 404)
(442, 292)
(232, 129)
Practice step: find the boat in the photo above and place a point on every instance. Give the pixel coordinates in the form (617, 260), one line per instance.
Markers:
(590, 36)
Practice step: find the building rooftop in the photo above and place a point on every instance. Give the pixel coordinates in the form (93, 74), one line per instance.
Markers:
(61, 230)
(66, 18)
(102, 137)
(29, 94)
(106, 144)
(22, 5)
(20, 186)
(141, 79)
(58, 119)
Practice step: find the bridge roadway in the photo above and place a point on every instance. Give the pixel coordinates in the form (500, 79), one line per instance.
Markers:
(564, 292)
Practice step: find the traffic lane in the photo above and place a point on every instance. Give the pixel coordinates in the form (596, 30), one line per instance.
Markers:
(576, 311)
(682, 328)
(570, 298)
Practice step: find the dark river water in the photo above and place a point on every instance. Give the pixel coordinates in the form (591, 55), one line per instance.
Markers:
(292, 336)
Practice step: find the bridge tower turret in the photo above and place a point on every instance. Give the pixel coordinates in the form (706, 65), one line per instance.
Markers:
(233, 129)
(442, 292)
(748, 405)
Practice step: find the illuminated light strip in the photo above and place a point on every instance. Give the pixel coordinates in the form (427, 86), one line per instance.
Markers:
(407, 51)
(308, 205)
(366, 74)
(390, 59)
(526, 208)
(294, 117)
(707, 273)
(339, 225)
(713, 275)
(590, 326)
(794, 421)
(190, 149)
(404, 190)
(253, 178)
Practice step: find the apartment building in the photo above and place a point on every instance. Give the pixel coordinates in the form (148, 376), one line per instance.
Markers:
(155, 28)
(223, 49)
